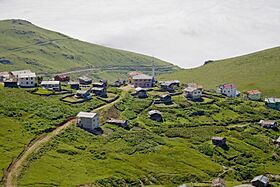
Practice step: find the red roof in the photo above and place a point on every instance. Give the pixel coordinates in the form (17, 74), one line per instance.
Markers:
(253, 92)
(228, 86)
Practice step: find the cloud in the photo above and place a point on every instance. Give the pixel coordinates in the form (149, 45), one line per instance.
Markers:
(184, 32)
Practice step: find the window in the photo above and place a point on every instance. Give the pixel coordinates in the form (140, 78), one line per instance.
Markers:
(26, 82)
(31, 78)
(26, 78)
(31, 82)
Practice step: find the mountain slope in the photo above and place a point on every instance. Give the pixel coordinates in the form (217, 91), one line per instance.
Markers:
(24, 45)
(258, 70)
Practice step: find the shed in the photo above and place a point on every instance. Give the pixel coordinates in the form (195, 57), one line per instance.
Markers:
(99, 91)
(269, 124)
(121, 123)
(74, 85)
(169, 85)
(88, 120)
(166, 98)
(141, 92)
(155, 115)
(260, 181)
(219, 141)
(85, 80)
(83, 94)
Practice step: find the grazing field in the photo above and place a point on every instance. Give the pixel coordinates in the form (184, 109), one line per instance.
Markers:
(25, 116)
(254, 71)
(176, 151)
(26, 46)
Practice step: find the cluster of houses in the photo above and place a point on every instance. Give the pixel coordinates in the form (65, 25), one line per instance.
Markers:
(21, 78)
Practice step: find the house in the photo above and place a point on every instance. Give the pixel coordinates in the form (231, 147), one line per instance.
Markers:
(218, 141)
(131, 75)
(88, 120)
(141, 92)
(74, 85)
(99, 91)
(155, 115)
(85, 94)
(4, 76)
(193, 91)
(165, 98)
(143, 81)
(62, 78)
(260, 181)
(118, 83)
(254, 95)
(273, 103)
(10, 83)
(269, 124)
(120, 123)
(99, 84)
(84, 80)
(218, 182)
(51, 85)
(25, 78)
(169, 85)
(228, 90)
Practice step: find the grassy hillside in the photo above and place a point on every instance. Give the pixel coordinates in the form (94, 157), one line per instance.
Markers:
(254, 71)
(24, 45)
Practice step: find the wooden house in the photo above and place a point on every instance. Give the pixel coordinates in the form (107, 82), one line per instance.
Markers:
(166, 98)
(219, 141)
(74, 85)
(62, 78)
(169, 85)
(143, 81)
(10, 83)
(99, 91)
(131, 75)
(254, 95)
(193, 91)
(141, 92)
(273, 103)
(269, 124)
(51, 85)
(85, 80)
(120, 123)
(260, 181)
(228, 90)
(84, 94)
(88, 120)
(155, 115)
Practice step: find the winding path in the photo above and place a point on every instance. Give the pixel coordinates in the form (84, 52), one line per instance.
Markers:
(16, 166)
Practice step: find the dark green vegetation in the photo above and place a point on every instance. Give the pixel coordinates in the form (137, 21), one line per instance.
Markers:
(25, 116)
(254, 71)
(177, 151)
(26, 46)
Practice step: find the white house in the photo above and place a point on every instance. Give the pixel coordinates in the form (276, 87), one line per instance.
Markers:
(25, 78)
(88, 120)
(254, 95)
(227, 89)
(53, 85)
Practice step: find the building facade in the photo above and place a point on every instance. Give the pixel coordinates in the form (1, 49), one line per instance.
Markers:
(88, 120)
(228, 90)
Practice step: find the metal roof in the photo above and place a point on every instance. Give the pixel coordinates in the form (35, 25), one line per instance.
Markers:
(142, 76)
(217, 138)
(26, 75)
(49, 82)
(261, 178)
(253, 92)
(272, 100)
(138, 89)
(21, 72)
(154, 112)
(86, 115)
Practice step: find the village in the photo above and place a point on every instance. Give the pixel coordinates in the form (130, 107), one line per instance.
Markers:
(140, 86)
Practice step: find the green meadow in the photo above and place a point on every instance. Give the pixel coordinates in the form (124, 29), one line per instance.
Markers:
(169, 153)
(258, 70)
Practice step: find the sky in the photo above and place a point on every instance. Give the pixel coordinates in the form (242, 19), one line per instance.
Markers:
(183, 32)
